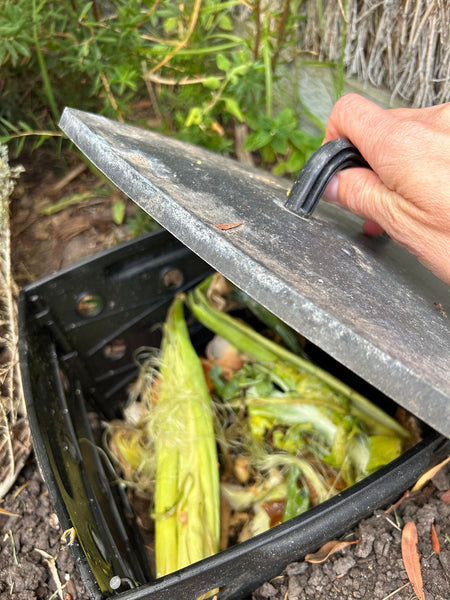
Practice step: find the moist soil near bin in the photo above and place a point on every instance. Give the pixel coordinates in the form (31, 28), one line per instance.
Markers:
(35, 561)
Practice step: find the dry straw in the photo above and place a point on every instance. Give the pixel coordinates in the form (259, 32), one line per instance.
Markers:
(401, 45)
(14, 433)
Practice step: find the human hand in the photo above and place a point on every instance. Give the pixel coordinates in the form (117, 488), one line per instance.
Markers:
(408, 192)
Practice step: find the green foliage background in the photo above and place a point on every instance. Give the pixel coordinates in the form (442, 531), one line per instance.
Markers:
(195, 69)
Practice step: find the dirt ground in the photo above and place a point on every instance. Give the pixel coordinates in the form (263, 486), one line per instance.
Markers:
(34, 561)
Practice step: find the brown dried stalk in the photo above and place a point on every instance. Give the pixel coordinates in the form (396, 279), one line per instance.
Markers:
(14, 434)
(402, 46)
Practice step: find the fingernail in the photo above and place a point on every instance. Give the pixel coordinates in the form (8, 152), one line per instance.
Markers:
(331, 191)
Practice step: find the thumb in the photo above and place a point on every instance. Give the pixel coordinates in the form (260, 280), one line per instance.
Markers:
(362, 192)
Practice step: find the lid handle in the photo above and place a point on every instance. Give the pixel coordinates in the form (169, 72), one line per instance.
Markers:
(312, 180)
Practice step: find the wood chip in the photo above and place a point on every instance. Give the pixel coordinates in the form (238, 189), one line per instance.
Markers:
(226, 226)
(446, 497)
(411, 558)
(327, 550)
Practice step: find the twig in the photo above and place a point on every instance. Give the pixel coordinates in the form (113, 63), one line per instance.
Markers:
(151, 92)
(425, 18)
(154, 78)
(192, 24)
(71, 175)
(258, 29)
(21, 488)
(341, 8)
(51, 562)
(153, 8)
(111, 96)
(240, 135)
(397, 590)
(152, 38)
(281, 32)
(392, 522)
(8, 513)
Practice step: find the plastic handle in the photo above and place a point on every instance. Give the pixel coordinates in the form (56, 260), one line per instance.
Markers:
(316, 174)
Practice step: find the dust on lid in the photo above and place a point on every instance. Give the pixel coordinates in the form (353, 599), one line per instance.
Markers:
(365, 301)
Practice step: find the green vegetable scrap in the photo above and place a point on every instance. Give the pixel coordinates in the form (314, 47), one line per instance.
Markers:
(187, 479)
(301, 409)
(177, 428)
(290, 434)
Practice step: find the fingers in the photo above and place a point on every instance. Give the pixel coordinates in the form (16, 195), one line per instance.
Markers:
(382, 136)
(351, 116)
(363, 193)
(331, 194)
(407, 192)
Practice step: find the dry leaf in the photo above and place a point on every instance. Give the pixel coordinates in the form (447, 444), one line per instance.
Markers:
(411, 558)
(428, 475)
(327, 550)
(397, 504)
(435, 540)
(226, 226)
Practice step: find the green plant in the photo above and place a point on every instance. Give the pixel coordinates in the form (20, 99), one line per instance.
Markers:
(67, 53)
(241, 89)
(195, 70)
(141, 223)
(280, 142)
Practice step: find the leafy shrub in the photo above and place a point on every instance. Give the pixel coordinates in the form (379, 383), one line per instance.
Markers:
(194, 69)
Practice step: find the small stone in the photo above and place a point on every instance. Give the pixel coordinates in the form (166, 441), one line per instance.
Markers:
(382, 544)
(441, 480)
(343, 565)
(266, 591)
(316, 577)
(296, 568)
(294, 588)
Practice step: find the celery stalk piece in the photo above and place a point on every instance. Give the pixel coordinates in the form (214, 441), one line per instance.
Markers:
(297, 498)
(186, 503)
(309, 379)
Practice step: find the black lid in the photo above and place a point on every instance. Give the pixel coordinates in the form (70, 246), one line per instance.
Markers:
(365, 301)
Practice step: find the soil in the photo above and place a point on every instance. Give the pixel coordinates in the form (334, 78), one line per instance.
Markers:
(35, 562)
(373, 567)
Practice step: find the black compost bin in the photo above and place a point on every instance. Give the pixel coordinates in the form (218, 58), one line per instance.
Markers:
(366, 304)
